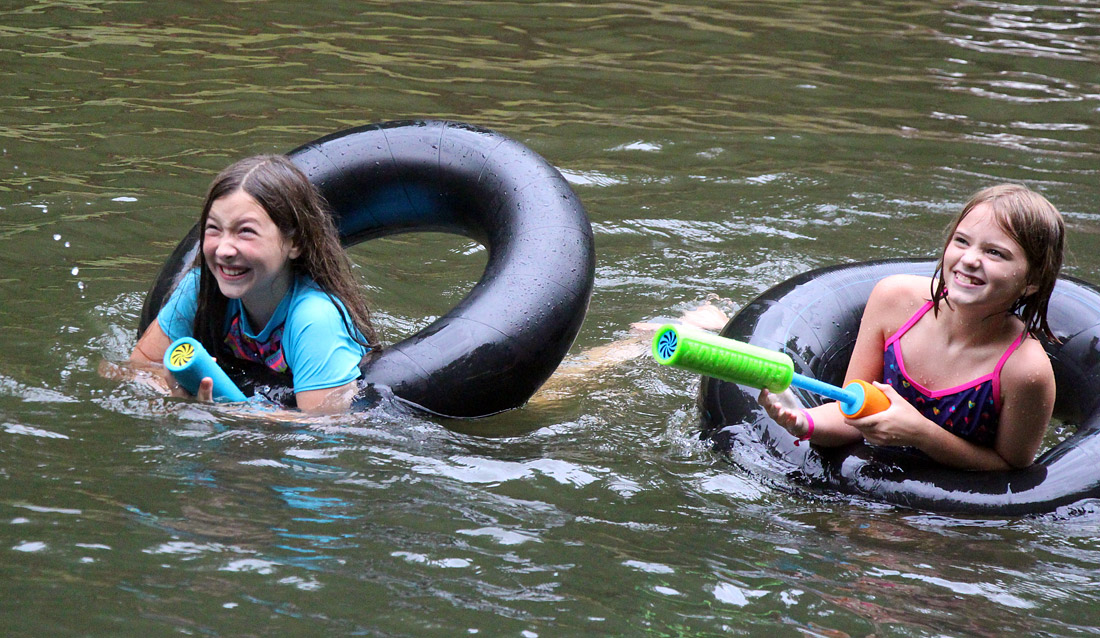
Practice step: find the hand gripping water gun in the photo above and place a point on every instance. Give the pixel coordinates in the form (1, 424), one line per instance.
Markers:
(745, 364)
(189, 363)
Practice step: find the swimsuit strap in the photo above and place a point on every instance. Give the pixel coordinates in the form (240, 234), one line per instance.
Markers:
(908, 324)
(1000, 364)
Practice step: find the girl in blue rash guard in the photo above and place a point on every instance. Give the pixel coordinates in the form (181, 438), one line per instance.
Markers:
(968, 380)
(271, 284)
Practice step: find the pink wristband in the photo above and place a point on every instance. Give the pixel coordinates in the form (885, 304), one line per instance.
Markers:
(809, 428)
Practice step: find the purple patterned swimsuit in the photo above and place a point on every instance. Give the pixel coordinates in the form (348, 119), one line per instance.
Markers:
(269, 353)
(970, 411)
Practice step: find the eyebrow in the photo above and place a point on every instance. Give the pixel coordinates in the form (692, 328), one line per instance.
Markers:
(242, 219)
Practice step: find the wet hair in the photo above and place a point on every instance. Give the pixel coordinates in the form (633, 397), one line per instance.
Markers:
(1037, 226)
(301, 215)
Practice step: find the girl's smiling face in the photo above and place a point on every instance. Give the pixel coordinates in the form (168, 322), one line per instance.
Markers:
(983, 264)
(248, 255)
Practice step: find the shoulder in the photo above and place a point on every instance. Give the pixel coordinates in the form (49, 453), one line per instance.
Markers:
(903, 287)
(308, 297)
(895, 299)
(177, 315)
(313, 309)
(1028, 369)
(1027, 401)
(312, 299)
(188, 283)
(185, 290)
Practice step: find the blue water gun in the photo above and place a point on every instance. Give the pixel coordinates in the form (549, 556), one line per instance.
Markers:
(190, 363)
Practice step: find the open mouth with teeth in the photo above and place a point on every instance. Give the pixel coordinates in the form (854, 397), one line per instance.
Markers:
(231, 272)
(967, 279)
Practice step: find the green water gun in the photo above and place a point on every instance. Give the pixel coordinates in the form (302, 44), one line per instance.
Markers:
(745, 364)
(190, 363)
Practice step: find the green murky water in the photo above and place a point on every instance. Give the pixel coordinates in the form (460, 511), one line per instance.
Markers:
(719, 147)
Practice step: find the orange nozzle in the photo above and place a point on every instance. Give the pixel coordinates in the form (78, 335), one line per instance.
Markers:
(874, 400)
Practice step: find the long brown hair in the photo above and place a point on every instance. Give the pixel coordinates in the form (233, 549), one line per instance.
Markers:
(1037, 226)
(301, 215)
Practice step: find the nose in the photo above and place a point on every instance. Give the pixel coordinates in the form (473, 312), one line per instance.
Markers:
(225, 249)
(971, 257)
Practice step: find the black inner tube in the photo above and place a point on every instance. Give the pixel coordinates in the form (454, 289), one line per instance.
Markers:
(815, 317)
(494, 349)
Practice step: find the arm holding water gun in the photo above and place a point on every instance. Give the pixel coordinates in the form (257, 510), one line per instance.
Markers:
(830, 426)
(201, 388)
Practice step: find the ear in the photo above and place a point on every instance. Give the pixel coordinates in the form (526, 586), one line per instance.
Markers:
(1029, 290)
(295, 251)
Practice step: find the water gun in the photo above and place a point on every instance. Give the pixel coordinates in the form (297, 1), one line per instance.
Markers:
(745, 364)
(190, 363)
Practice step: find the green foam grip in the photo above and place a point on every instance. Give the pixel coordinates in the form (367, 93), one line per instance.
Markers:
(726, 359)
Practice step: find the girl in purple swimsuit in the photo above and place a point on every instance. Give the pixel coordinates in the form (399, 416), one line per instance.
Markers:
(958, 354)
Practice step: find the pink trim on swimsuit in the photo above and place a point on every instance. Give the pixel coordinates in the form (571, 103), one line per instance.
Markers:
(994, 376)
